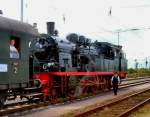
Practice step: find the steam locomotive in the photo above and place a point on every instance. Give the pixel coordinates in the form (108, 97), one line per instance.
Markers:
(48, 67)
(74, 66)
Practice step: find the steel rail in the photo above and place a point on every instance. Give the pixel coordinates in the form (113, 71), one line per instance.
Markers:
(139, 78)
(133, 84)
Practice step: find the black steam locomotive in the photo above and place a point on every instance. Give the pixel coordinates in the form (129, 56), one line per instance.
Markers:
(57, 61)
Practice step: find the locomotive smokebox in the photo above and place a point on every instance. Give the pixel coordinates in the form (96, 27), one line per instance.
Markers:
(50, 28)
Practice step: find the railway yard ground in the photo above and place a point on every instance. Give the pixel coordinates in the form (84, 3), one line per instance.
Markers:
(68, 109)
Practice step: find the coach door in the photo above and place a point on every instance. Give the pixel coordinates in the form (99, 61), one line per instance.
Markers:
(15, 56)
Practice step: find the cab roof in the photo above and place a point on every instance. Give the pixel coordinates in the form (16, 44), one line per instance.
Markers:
(14, 26)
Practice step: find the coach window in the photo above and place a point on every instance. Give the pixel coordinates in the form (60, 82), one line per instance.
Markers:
(14, 48)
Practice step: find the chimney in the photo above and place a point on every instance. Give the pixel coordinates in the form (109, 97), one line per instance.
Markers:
(50, 28)
(35, 26)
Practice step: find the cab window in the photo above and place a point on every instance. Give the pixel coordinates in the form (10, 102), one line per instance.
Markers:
(14, 47)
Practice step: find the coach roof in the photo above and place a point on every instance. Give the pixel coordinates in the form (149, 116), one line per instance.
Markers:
(12, 25)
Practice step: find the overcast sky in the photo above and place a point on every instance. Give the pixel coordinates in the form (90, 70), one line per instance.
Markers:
(92, 19)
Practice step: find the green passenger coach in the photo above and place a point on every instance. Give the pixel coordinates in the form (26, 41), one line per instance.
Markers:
(14, 55)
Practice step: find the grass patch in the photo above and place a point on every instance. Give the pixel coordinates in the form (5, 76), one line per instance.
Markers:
(142, 112)
(135, 73)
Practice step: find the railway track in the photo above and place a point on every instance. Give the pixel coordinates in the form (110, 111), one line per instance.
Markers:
(134, 83)
(121, 107)
(28, 106)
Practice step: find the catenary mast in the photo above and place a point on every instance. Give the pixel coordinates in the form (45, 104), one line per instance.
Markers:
(21, 15)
